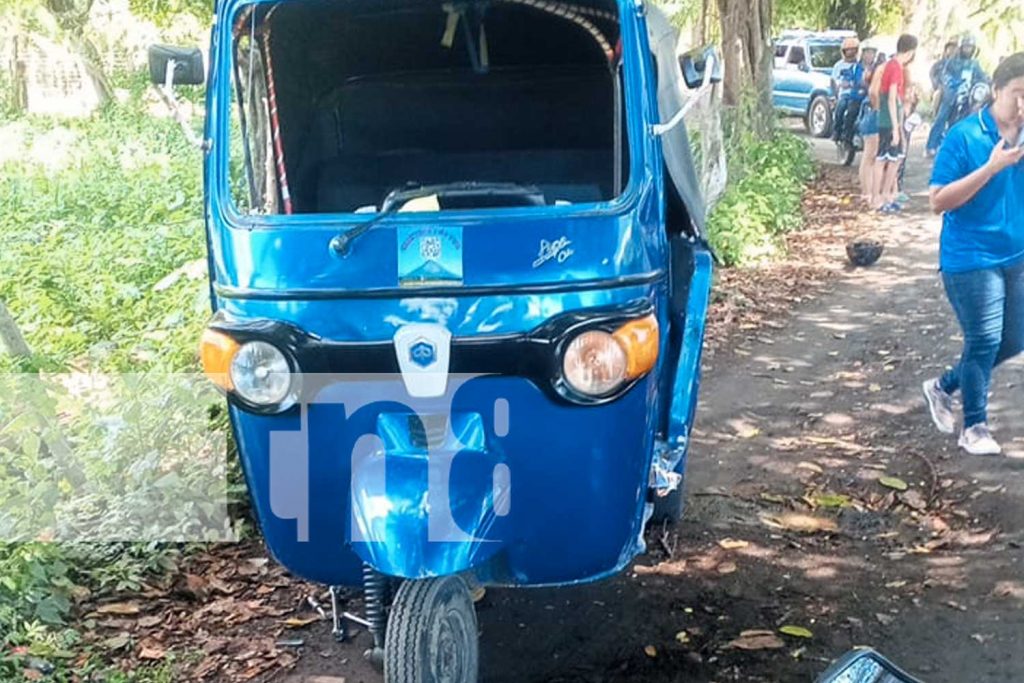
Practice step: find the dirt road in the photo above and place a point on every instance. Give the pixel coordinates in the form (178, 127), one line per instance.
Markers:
(804, 420)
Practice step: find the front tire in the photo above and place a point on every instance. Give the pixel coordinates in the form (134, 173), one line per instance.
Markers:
(432, 633)
(819, 117)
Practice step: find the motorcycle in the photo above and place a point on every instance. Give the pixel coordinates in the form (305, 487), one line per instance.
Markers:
(970, 98)
(865, 666)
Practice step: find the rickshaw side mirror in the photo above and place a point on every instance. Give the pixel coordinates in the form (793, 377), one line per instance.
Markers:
(695, 65)
(865, 666)
(170, 65)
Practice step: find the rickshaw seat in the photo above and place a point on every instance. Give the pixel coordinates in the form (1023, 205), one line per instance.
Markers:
(353, 180)
(544, 126)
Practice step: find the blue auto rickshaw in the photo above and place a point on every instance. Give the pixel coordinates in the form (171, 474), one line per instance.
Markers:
(459, 285)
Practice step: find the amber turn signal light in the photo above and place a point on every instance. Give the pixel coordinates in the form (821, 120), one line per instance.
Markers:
(216, 351)
(639, 339)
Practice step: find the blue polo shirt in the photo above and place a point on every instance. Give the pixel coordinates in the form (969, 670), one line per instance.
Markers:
(987, 231)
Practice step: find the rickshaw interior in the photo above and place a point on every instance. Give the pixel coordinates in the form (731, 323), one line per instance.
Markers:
(376, 97)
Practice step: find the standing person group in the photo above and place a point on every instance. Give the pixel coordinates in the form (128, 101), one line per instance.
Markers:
(978, 185)
(885, 103)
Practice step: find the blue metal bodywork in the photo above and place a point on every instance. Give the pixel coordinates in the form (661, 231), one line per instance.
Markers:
(579, 474)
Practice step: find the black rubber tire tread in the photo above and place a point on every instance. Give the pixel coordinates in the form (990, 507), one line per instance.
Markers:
(409, 619)
(810, 117)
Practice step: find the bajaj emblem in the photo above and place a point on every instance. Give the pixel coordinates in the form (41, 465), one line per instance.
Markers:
(430, 248)
(423, 353)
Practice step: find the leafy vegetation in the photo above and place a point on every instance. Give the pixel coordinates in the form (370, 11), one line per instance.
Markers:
(762, 202)
(94, 214)
(103, 266)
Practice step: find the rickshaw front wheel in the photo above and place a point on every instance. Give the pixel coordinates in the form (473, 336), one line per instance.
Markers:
(432, 633)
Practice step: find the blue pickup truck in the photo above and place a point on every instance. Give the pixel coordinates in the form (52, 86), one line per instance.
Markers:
(802, 84)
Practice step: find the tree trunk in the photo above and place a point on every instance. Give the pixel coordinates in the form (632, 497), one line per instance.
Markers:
(10, 336)
(73, 17)
(54, 445)
(746, 44)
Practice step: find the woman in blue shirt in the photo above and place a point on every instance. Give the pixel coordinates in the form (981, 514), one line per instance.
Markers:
(978, 185)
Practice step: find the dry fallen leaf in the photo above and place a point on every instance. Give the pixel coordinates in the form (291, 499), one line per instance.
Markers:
(810, 466)
(756, 640)
(798, 522)
(913, 500)
(152, 653)
(651, 651)
(299, 622)
(195, 585)
(118, 608)
(671, 568)
(1009, 589)
(727, 568)
(733, 544)
(206, 667)
(973, 538)
(150, 622)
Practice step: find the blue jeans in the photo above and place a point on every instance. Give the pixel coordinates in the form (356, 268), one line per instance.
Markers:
(990, 307)
(938, 133)
(839, 118)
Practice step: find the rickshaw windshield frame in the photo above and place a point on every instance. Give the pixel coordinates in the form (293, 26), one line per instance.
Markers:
(639, 112)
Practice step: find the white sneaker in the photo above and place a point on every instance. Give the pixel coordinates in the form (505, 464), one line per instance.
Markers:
(977, 440)
(940, 405)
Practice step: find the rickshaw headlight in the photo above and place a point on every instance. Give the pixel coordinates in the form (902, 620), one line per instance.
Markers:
(595, 363)
(261, 375)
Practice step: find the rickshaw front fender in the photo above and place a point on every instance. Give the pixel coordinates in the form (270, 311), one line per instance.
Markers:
(404, 519)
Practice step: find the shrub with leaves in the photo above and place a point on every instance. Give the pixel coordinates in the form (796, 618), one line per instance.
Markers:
(762, 202)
